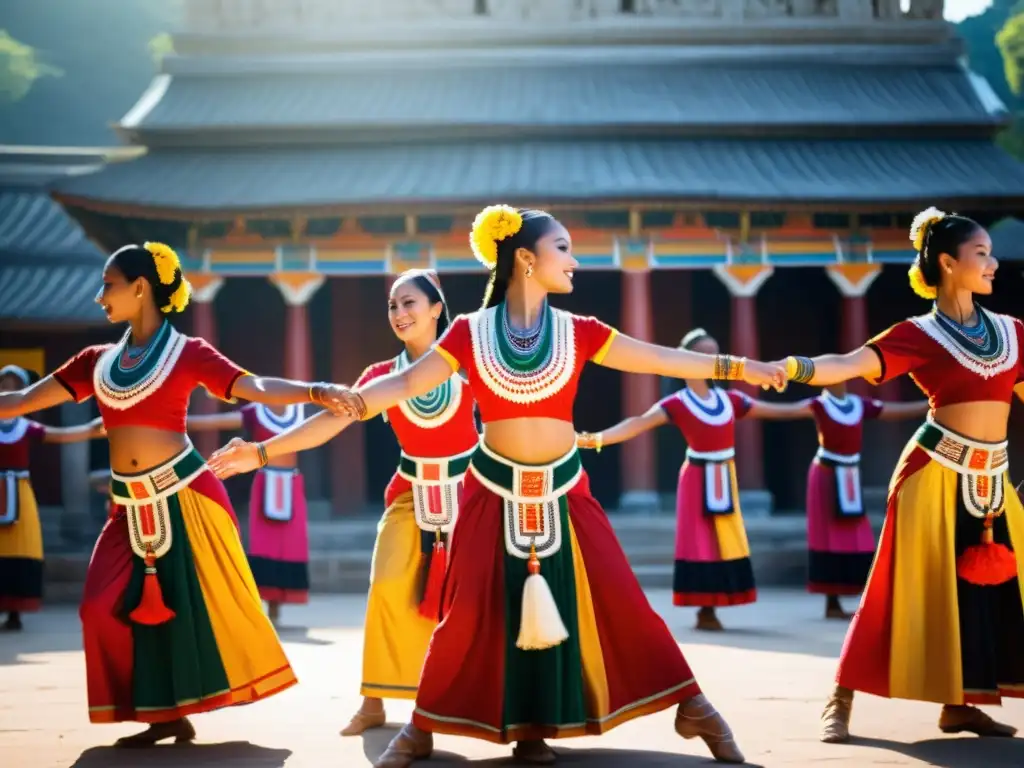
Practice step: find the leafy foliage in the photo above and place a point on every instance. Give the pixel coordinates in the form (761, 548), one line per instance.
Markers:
(160, 46)
(20, 67)
(1010, 41)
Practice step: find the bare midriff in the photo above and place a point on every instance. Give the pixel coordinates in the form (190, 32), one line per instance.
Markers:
(530, 441)
(137, 449)
(983, 420)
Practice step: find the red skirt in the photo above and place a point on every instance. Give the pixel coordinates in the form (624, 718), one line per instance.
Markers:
(619, 663)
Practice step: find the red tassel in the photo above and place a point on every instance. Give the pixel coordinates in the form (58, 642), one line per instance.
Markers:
(430, 607)
(987, 564)
(151, 609)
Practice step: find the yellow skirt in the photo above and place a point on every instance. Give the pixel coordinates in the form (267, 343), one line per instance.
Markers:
(396, 636)
(21, 555)
(923, 633)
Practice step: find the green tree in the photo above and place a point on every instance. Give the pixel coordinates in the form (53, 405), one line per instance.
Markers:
(1010, 41)
(20, 67)
(159, 46)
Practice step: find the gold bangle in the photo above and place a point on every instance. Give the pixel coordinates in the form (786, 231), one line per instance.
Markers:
(261, 452)
(598, 441)
(729, 368)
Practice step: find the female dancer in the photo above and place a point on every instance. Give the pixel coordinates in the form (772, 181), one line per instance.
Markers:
(712, 564)
(942, 618)
(278, 526)
(532, 547)
(840, 541)
(21, 535)
(437, 434)
(171, 618)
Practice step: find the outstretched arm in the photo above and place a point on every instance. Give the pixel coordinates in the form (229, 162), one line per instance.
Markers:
(896, 411)
(779, 411)
(90, 431)
(825, 370)
(209, 422)
(634, 356)
(240, 456)
(45, 393)
(625, 430)
(383, 392)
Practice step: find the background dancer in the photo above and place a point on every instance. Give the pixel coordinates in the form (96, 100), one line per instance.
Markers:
(21, 534)
(712, 558)
(942, 616)
(278, 520)
(171, 618)
(533, 548)
(436, 432)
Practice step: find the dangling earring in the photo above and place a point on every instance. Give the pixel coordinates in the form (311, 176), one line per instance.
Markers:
(529, 271)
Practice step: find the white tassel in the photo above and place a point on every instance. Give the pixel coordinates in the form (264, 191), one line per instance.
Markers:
(541, 626)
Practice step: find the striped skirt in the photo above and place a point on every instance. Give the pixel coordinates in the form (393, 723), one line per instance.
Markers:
(218, 649)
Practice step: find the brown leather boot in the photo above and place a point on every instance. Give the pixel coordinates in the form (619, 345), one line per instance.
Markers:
(411, 744)
(967, 719)
(179, 730)
(835, 720)
(534, 752)
(698, 717)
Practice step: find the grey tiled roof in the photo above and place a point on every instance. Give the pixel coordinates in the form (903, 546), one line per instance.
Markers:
(592, 94)
(49, 269)
(535, 171)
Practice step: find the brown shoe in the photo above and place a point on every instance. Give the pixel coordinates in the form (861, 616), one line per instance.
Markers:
(835, 720)
(965, 719)
(411, 744)
(179, 730)
(698, 717)
(534, 752)
(707, 621)
(364, 721)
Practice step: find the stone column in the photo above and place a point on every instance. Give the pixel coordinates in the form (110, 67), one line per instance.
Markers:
(639, 392)
(743, 283)
(75, 523)
(853, 282)
(204, 325)
(348, 450)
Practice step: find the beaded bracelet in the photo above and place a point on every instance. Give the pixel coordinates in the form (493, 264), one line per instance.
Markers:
(729, 368)
(261, 452)
(799, 369)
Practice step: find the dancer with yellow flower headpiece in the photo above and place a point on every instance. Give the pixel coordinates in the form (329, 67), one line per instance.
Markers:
(171, 618)
(546, 632)
(942, 616)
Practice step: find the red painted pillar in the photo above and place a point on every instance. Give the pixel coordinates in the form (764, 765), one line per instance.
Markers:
(743, 283)
(348, 450)
(639, 392)
(204, 325)
(297, 289)
(853, 282)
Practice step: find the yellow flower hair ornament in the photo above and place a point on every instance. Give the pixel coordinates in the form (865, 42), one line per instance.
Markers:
(492, 225)
(167, 266)
(924, 221)
(919, 286)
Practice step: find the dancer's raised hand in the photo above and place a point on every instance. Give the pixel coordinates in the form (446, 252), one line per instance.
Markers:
(235, 458)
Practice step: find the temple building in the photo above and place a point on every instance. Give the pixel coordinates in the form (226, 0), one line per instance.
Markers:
(750, 166)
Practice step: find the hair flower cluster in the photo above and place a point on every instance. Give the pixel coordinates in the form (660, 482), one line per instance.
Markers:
(492, 225)
(923, 222)
(168, 268)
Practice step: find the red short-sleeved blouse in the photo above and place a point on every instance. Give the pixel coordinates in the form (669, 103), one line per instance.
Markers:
(16, 439)
(160, 402)
(546, 393)
(946, 368)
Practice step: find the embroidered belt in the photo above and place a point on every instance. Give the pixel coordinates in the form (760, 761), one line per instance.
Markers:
(436, 488)
(830, 457)
(532, 496)
(144, 497)
(278, 496)
(718, 471)
(849, 500)
(959, 453)
(10, 497)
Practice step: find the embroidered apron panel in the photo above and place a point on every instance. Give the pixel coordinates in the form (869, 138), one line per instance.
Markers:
(149, 527)
(718, 488)
(437, 504)
(849, 501)
(9, 497)
(983, 493)
(277, 495)
(532, 525)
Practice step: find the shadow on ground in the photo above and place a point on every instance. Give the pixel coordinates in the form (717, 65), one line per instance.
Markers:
(376, 741)
(963, 752)
(37, 637)
(232, 753)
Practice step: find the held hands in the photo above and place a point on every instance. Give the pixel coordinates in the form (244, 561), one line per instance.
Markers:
(339, 400)
(766, 375)
(235, 458)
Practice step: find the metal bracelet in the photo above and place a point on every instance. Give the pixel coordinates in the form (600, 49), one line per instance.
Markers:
(360, 406)
(261, 452)
(801, 369)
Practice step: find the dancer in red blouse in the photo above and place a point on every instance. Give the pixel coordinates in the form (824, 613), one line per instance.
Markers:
(171, 618)
(942, 616)
(278, 525)
(546, 632)
(21, 535)
(712, 558)
(437, 434)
